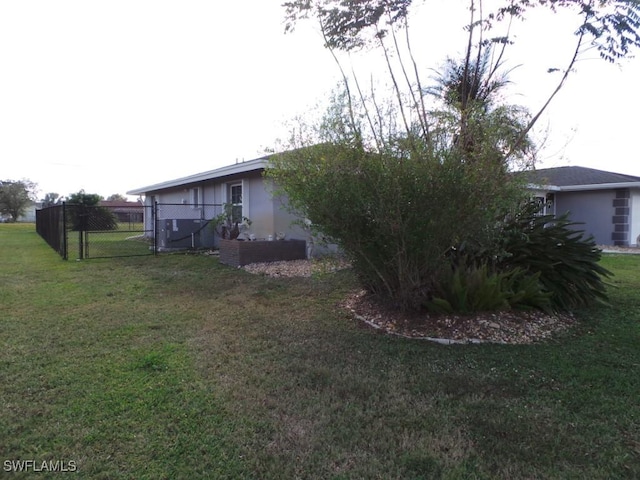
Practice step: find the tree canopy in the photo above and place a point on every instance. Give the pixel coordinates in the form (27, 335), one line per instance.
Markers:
(415, 182)
(84, 198)
(15, 197)
(51, 199)
(611, 25)
(117, 197)
(86, 213)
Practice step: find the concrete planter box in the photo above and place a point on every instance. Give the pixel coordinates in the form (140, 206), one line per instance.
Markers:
(238, 253)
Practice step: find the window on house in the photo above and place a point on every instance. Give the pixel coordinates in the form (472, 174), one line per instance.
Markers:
(235, 193)
(195, 197)
(539, 201)
(545, 204)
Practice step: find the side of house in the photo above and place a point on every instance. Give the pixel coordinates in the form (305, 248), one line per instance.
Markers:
(187, 207)
(606, 204)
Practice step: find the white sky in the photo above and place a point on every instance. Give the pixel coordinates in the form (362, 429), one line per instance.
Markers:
(108, 96)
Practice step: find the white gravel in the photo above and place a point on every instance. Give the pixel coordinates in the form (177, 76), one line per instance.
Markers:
(297, 268)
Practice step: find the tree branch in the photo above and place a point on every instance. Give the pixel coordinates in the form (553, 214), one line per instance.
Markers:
(536, 117)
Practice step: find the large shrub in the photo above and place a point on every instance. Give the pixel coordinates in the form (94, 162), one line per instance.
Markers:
(395, 215)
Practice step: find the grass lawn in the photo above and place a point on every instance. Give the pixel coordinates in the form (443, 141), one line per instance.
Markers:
(176, 367)
(127, 240)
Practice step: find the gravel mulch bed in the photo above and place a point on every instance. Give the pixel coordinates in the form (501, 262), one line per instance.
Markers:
(512, 327)
(297, 268)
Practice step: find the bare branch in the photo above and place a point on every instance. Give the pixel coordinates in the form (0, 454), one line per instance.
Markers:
(537, 116)
(416, 106)
(423, 110)
(352, 117)
(366, 111)
(395, 86)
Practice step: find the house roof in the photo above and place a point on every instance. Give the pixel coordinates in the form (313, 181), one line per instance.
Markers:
(240, 167)
(118, 203)
(579, 178)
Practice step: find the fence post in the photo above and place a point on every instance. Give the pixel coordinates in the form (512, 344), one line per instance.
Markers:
(80, 245)
(154, 216)
(65, 245)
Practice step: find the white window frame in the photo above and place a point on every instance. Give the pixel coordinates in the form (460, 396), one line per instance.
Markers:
(195, 195)
(547, 203)
(240, 204)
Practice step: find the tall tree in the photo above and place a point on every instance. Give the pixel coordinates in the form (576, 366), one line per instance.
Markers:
(610, 26)
(415, 179)
(15, 197)
(84, 198)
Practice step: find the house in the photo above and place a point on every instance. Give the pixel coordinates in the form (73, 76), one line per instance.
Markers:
(28, 216)
(181, 213)
(124, 211)
(187, 207)
(607, 204)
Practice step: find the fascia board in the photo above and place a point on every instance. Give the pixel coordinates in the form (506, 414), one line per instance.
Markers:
(578, 188)
(241, 167)
(599, 186)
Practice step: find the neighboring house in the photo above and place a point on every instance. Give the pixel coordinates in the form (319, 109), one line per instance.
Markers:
(187, 205)
(29, 215)
(124, 211)
(608, 204)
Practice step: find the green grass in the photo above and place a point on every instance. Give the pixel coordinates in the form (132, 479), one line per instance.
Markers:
(178, 367)
(127, 240)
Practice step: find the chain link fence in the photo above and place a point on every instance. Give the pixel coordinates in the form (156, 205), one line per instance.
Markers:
(50, 225)
(84, 232)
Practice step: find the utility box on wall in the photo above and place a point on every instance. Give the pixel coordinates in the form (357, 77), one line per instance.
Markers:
(238, 253)
(182, 233)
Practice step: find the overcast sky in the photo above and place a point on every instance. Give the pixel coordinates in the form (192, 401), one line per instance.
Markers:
(111, 96)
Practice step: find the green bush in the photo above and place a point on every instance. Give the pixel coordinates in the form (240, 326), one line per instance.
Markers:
(467, 288)
(566, 261)
(394, 215)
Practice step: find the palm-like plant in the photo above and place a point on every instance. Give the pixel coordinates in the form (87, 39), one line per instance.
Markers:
(484, 127)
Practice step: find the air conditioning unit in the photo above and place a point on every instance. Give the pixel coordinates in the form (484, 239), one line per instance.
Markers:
(182, 233)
